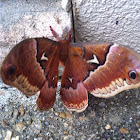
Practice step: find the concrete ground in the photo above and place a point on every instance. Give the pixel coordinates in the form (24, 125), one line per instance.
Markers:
(114, 118)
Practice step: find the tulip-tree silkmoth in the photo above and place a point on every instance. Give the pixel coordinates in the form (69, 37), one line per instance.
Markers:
(104, 70)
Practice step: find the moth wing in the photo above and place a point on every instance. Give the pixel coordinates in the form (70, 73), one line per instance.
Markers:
(49, 60)
(73, 93)
(110, 69)
(102, 69)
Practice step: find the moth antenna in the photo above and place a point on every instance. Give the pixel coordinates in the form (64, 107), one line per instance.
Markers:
(54, 33)
(69, 35)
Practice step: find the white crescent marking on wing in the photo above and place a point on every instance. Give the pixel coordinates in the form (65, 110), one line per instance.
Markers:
(43, 57)
(95, 60)
(70, 79)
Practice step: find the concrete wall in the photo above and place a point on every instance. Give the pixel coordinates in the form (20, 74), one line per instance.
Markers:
(108, 21)
(20, 19)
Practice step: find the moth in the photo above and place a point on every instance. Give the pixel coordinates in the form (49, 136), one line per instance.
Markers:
(104, 70)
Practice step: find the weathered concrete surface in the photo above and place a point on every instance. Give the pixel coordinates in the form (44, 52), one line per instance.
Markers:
(24, 19)
(108, 21)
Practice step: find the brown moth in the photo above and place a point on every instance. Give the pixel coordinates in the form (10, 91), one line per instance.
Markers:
(104, 70)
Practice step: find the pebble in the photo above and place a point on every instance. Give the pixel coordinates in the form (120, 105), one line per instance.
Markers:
(69, 115)
(107, 127)
(19, 127)
(83, 118)
(66, 132)
(35, 108)
(104, 117)
(66, 137)
(91, 136)
(138, 136)
(56, 113)
(66, 125)
(3, 123)
(15, 138)
(114, 119)
(2, 92)
(0, 136)
(22, 111)
(38, 131)
(138, 124)
(62, 115)
(38, 124)
(92, 114)
(8, 135)
(15, 114)
(124, 130)
(102, 130)
(102, 104)
(28, 122)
